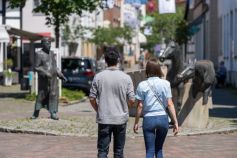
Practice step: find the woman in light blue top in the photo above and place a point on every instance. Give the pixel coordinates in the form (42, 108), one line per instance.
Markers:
(153, 96)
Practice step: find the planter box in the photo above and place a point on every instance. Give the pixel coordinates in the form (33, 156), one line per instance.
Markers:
(7, 81)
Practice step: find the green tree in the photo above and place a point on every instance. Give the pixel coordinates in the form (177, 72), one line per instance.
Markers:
(57, 12)
(167, 26)
(112, 36)
(71, 33)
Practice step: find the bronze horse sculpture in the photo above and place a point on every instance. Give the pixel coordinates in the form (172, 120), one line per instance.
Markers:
(203, 74)
(173, 53)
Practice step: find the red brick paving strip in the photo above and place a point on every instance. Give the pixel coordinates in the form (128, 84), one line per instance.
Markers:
(38, 146)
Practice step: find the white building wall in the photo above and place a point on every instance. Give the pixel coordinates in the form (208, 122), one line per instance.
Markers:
(12, 18)
(227, 11)
(92, 21)
(34, 22)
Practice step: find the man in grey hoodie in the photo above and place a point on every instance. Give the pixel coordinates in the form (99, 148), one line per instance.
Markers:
(111, 95)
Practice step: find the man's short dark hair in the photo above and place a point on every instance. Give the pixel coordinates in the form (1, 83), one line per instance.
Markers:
(111, 56)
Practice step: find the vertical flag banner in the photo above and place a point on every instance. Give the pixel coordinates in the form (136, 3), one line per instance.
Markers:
(151, 6)
(167, 6)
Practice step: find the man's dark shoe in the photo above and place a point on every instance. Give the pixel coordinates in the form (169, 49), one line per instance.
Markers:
(54, 116)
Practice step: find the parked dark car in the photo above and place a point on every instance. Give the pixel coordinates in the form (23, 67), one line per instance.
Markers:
(79, 72)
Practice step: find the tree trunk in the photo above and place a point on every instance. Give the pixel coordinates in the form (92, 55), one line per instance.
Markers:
(57, 33)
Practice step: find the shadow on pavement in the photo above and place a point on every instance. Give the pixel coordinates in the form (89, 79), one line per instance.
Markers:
(234, 122)
(13, 95)
(224, 96)
(223, 112)
(225, 103)
(13, 91)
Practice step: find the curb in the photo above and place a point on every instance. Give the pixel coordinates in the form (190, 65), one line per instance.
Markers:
(9, 130)
(74, 102)
(207, 132)
(220, 131)
(19, 131)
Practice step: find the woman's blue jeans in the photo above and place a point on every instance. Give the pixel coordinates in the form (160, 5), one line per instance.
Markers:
(155, 129)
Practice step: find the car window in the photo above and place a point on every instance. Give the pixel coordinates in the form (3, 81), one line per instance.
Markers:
(78, 65)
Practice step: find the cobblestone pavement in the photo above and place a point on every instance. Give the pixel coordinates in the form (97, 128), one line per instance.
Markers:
(79, 119)
(222, 116)
(39, 146)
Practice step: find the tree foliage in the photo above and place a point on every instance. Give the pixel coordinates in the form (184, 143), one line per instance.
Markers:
(112, 36)
(167, 26)
(57, 12)
(72, 32)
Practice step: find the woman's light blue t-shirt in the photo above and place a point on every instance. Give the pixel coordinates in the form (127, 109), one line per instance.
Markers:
(151, 106)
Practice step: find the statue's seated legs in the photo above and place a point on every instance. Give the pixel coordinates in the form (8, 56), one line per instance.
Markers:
(35, 114)
(54, 116)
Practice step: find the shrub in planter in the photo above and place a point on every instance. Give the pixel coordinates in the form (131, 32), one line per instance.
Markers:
(8, 77)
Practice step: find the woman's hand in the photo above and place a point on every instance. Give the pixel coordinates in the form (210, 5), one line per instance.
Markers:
(138, 114)
(135, 128)
(176, 129)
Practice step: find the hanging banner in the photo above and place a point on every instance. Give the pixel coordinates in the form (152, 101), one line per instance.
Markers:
(148, 19)
(135, 1)
(151, 6)
(167, 6)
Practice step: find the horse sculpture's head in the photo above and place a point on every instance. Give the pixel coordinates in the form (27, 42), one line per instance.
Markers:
(187, 73)
(168, 52)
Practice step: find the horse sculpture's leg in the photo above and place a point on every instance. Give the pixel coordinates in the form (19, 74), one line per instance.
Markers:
(180, 93)
(207, 92)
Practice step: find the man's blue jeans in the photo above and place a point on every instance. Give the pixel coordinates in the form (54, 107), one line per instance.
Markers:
(155, 129)
(104, 138)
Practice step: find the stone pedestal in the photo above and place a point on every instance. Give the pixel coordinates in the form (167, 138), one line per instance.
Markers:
(193, 113)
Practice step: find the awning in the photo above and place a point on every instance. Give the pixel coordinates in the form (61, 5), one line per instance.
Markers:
(4, 36)
(24, 34)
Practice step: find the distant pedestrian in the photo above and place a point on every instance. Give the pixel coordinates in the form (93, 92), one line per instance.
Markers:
(111, 93)
(153, 96)
(141, 60)
(221, 74)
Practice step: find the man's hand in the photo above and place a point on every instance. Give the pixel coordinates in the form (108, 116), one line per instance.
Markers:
(94, 104)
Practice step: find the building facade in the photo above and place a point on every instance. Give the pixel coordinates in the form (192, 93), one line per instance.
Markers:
(10, 17)
(214, 23)
(227, 46)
